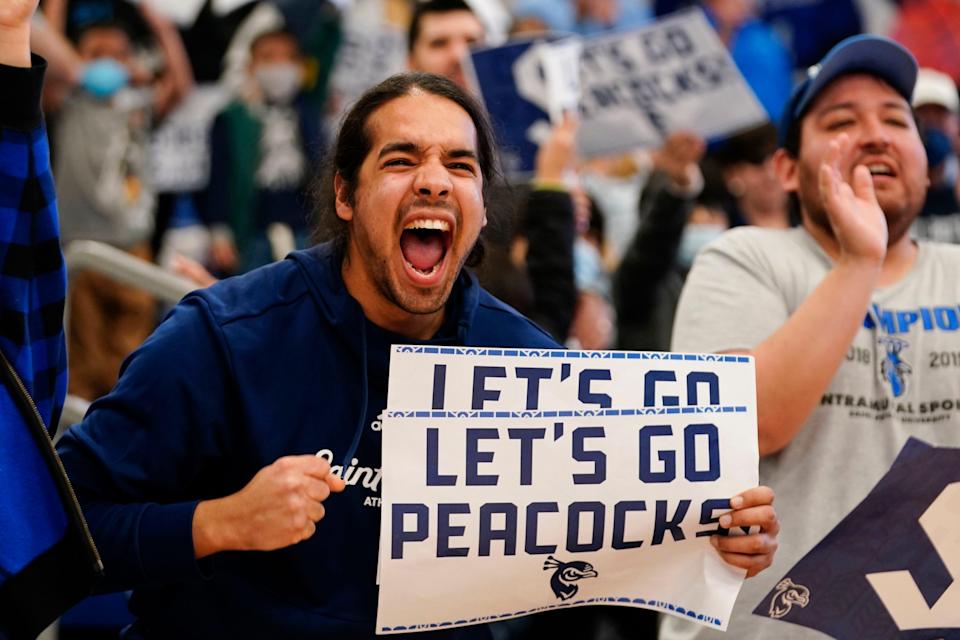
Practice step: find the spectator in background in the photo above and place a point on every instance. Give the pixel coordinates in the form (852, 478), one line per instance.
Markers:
(936, 103)
(758, 52)
(528, 248)
(316, 24)
(263, 148)
(70, 17)
(937, 106)
(537, 17)
(65, 68)
(683, 209)
(650, 275)
(441, 33)
(745, 162)
(930, 29)
(597, 16)
(584, 17)
(529, 260)
(104, 192)
(802, 25)
(593, 325)
(810, 28)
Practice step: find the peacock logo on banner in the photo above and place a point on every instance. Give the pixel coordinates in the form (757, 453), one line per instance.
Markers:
(565, 575)
(893, 562)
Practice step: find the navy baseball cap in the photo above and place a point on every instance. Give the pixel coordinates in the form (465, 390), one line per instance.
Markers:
(874, 55)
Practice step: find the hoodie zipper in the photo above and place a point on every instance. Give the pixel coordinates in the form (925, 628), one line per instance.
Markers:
(41, 437)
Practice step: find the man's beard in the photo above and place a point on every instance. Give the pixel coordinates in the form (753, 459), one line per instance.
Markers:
(393, 291)
(898, 216)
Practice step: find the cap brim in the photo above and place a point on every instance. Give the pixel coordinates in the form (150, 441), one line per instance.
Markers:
(873, 55)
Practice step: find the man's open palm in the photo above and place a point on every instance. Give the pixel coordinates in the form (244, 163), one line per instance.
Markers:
(855, 215)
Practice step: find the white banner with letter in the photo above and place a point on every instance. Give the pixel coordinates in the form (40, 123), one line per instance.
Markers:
(518, 481)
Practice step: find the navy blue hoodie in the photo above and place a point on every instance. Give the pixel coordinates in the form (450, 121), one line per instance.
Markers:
(278, 362)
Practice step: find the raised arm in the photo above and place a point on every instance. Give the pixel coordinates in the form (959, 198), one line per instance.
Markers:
(66, 66)
(177, 79)
(736, 299)
(548, 225)
(55, 11)
(15, 18)
(651, 255)
(47, 560)
(797, 362)
(32, 280)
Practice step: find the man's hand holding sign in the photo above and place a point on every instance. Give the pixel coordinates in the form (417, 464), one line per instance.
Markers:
(575, 477)
(754, 552)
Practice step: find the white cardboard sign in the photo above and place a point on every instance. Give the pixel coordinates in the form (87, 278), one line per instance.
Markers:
(518, 481)
(674, 74)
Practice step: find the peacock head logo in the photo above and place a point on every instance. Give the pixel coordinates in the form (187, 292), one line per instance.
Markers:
(566, 574)
(787, 595)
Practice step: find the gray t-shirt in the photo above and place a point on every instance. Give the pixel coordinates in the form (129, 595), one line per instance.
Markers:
(901, 378)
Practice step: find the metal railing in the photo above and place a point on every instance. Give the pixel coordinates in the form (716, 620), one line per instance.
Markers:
(126, 269)
(88, 255)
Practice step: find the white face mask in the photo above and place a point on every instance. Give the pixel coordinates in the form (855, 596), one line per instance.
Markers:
(695, 237)
(279, 82)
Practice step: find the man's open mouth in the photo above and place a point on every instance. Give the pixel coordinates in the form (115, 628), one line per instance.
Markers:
(881, 169)
(424, 244)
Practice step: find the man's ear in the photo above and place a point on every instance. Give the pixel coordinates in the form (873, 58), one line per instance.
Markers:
(786, 168)
(484, 217)
(343, 199)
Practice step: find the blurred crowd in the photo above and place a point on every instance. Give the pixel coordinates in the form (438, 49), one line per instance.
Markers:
(189, 134)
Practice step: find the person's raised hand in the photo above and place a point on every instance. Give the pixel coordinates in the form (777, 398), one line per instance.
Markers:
(16, 13)
(753, 552)
(558, 152)
(279, 507)
(856, 218)
(223, 254)
(193, 271)
(15, 16)
(679, 155)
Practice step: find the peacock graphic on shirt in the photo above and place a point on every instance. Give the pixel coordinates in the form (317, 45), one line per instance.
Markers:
(893, 369)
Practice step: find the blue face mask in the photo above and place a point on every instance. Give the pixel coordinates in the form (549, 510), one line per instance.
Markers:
(695, 237)
(104, 77)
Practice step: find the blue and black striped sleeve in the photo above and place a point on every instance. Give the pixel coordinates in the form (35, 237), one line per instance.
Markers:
(32, 271)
